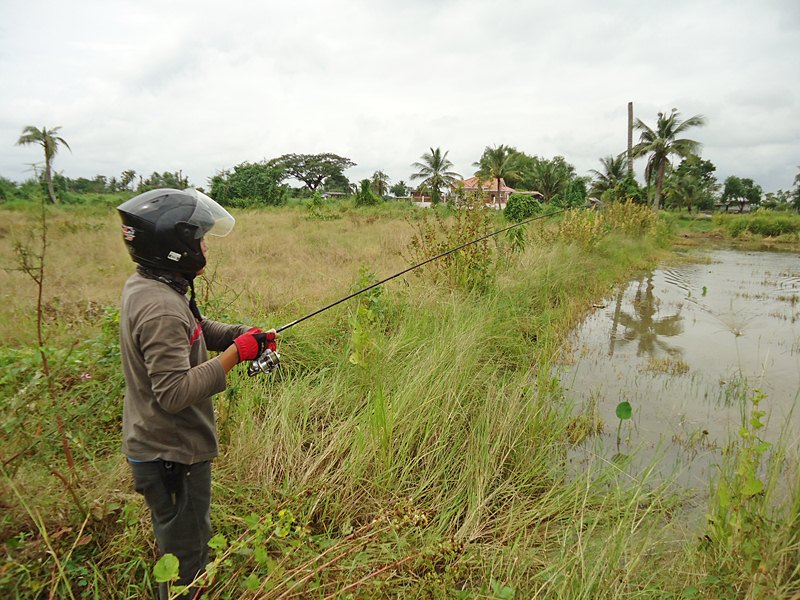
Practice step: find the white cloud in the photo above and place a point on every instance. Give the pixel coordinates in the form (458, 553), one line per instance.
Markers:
(202, 86)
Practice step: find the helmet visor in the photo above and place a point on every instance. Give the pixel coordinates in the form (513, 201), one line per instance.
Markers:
(209, 217)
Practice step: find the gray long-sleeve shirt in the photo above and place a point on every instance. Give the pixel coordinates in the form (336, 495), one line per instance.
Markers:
(169, 381)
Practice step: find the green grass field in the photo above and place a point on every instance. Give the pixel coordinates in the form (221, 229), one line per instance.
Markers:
(413, 443)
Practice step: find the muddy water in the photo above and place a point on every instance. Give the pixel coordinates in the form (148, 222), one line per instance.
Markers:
(680, 344)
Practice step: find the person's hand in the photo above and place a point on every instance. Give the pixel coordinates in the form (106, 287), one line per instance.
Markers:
(253, 342)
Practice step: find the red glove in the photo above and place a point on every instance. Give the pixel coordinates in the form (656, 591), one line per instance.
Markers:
(253, 342)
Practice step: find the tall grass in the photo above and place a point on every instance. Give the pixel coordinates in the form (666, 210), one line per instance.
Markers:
(433, 464)
(760, 223)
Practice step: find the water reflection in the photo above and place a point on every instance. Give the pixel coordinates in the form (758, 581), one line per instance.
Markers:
(644, 326)
(685, 346)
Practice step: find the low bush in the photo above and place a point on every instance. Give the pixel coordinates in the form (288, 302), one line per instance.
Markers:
(521, 207)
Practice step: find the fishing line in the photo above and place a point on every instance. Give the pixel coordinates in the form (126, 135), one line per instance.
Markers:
(269, 360)
(404, 271)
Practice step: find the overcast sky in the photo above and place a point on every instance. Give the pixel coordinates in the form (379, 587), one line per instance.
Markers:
(201, 86)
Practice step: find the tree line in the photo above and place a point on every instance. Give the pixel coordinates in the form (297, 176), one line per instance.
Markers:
(689, 183)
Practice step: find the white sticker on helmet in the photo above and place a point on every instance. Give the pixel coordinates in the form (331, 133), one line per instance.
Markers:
(176, 256)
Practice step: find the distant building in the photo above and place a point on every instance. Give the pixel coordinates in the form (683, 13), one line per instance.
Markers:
(487, 188)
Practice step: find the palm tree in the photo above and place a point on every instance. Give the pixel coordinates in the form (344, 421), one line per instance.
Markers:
(380, 183)
(498, 163)
(48, 140)
(551, 178)
(127, 178)
(613, 172)
(433, 170)
(686, 190)
(660, 144)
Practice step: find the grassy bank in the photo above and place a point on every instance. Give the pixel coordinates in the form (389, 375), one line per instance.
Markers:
(413, 444)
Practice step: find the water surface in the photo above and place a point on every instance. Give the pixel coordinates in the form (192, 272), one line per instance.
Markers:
(680, 344)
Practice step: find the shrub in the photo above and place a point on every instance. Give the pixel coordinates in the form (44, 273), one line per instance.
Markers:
(8, 190)
(365, 196)
(470, 268)
(521, 207)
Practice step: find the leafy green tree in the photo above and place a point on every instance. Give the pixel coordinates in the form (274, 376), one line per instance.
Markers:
(499, 163)
(399, 189)
(613, 172)
(338, 183)
(741, 191)
(692, 184)
(661, 143)
(628, 189)
(380, 183)
(49, 141)
(175, 180)
(311, 169)
(249, 184)
(780, 200)
(433, 169)
(82, 185)
(573, 195)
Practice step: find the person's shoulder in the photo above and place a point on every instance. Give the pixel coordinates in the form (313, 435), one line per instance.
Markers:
(148, 298)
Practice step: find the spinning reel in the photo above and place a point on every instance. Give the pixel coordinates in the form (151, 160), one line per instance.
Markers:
(266, 363)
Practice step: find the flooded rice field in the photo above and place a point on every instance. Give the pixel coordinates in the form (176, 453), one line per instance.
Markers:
(680, 345)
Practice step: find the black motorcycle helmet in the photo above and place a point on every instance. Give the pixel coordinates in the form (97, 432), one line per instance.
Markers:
(162, 228)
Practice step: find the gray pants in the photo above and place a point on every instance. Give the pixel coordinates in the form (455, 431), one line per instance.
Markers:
(179, 497)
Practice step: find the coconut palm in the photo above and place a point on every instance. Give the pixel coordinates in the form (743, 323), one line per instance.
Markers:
(551, 178)
(126, 178)
(498, 163)
(380, 183)
(613, 172)
(661, 143)
(433, 169)
(686, 190)
(48, 140)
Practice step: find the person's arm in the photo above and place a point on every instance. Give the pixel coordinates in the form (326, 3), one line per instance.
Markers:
(219, 336)
(229, 358)
(164, 343)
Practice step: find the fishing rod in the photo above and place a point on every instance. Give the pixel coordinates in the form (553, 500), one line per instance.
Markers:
(270, 359)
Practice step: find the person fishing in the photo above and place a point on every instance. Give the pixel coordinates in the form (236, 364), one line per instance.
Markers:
(168, 429)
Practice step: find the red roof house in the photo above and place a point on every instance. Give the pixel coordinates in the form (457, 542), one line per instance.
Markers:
(488, 189)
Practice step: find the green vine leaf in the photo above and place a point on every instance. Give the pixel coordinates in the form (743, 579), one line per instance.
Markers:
(218, 542)
(166, 569)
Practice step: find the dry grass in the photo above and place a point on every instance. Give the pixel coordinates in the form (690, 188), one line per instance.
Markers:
(274, 261)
